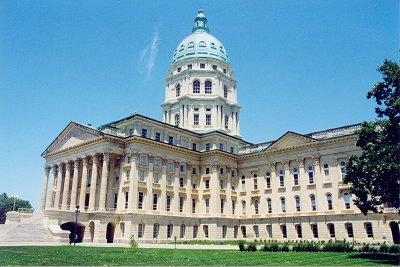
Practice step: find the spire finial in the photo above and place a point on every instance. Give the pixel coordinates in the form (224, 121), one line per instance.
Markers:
(200, 22)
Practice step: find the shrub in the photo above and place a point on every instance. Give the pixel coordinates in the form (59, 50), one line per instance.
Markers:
(133, 243)
(271, 247)
(384, 248)
(394, 249)
(367, 248)
(242, 245)
(252, 247)
(337, 246)
(305, 247)
(285, 248)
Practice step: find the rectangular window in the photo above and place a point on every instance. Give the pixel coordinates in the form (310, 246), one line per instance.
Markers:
(299, 231)
(222, 205)
(233, 206)
(269, 230)
(179, 69)
(140, 230)
(169, 230)
(214, 67)
(208, 119)
(155, 200)
(181, 204)
(221, 171)
(126, 199)
(194, 147)
(284, 231)
(314, 229)
(142, 160)
(168, 203)
(202, 66)
(155, 230)
(243, 181)
(221, 184)
(181, 182)
(195, 119)
(189, 66)
(170, 167)
(158, 137)
(231, 150)
(296, 178)
(349, 229)
(221, 146)
(224, 71)
(207, 146)
(207, 203)
(116, 200)
(142, 176)
(368, 229)
(268, 181)
(156, 177)
(144, 133)
(207, 184)
(169, 180)
(193, 205)
(140, 200)
(170, 140)
(193, 170)
(331, 229)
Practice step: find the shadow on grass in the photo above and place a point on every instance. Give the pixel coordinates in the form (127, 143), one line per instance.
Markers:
(378, 258)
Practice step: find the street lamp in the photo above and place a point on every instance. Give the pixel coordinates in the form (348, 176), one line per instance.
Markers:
(77, 211)
(15, 197)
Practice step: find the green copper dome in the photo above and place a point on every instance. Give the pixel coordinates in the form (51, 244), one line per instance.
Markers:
(200, 43)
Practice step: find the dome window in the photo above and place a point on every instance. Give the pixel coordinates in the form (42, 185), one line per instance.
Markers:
(213, 46)
(181, 47)
(202, 44)
(225, 92)
(191, 45)
(196, 87)
(178, 90)
(208, 87)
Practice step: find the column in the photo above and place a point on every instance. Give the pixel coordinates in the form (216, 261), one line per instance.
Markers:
(58, 189)
(188, 188)
(214, 118)
(228, 204)
(83, 184)
(64, 202)
(74, 188)
(104, 180)
(93, 183)
(133, 184)
(175, 198)
(319, 194)
(303, 181)
(163, 196)
(50, 189)
(290, 208)
(214, 190)
(180, 117)
(44, 188)
(149, 198)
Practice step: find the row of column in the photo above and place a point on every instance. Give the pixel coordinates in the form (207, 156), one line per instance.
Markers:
(58, 177)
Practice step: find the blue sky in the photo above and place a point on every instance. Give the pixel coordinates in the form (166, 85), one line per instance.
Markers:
(301, 66)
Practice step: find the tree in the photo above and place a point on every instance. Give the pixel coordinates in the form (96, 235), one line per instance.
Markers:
(7, 204)
(374, 177)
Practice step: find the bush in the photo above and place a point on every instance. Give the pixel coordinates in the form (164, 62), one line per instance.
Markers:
(384, 248)
(242, 245)
(252, 247)
(133, 243)
(337, 246)
(305, 247)
(285, 248)
(394, 249)
(367, 248)
(271, 247)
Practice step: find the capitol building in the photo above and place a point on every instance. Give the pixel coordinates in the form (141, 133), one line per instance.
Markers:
(193, 176)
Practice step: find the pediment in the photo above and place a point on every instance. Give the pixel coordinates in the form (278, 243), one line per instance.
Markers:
(74, 134)
(291, 139)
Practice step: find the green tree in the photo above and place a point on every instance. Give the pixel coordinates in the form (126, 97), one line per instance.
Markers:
(374, 177)
(7, 204)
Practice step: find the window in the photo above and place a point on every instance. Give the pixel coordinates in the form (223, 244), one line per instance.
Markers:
(284, 230)
(221, 146)
(233, 206)
(283, 204)
(158, 137)
(256, 206)
(194, 172)
(170, 228)
(221, 184)
(170, 140)
(195, 119)
(329, 201)
(256, 231)
(208, 119)
(202, 66)
(331, 230)
(235, 231)
(224, 230)
(207, 146)
(156, 177)
(244, 207)
(243, 228)
(116, 201)
(207, 184)
(225, 92)
(179, 69)
(181, 204)
(295, 176)
(208, 87)
(222, 201)
(181, 182)
(144, 133)
(243, 181)
(214, 67)
(314, 229)
(313, 203)
(142, 176)
(155, 200)
(297, 203)
(281, 178)
(189, 66)
(140, 230)
(195, 230)
(226, 122)
(224, 70)
(170, 166)
(368, 229)
(207, 203)
(232, 150)
(342, 166)
(169, 180)
(268, 179)
(205, 228)
(126, 199)
(194, 147)
(269, 205)
(193, 205)
(178, 89)
(299, 231)
(177, 120)
(130, 133)
(196, 87)
(269, 230)
(143, 160)
(182, 231)
(255, 185)
(140, 200)
(168, 203)
(346, 200)
(156, 230)
(310, 174)
(349, 229)
(326, 173)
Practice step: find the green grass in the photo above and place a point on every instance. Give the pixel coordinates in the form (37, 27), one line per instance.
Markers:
(69, 255)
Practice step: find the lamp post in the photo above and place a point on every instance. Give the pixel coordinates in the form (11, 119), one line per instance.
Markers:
(77, 211)
(15, 197)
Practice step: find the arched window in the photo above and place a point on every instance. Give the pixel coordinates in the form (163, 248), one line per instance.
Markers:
(295, 176)
(225, 91)
(140, 230)
(195, 230)
(177, 119)
(255, 184)
(329, 201)
(256, 231)
(346, 200)
(226, 122)
(170, 228)
(281, 178)
(256, 206)
(196, 87)
(268, 179)
(156, 230)
(178, 90)
(343, 168)
(122, 227)
(208, 87)
(244, 207)
(243, 228)
(235, 231)
(283, 204)
(313, 203)
(310, 171)
(326, 172)
(224, 230)
(269, 205)
(205, 229)
(182, 231)
(297, 203)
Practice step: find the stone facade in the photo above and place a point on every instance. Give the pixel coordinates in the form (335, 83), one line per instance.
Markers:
(194, 177)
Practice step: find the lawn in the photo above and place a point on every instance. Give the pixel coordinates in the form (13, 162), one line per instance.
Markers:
(69, 255)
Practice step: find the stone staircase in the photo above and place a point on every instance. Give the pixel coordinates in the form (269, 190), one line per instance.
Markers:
(30, 230)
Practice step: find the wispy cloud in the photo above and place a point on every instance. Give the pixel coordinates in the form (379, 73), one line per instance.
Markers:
(148, 55)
